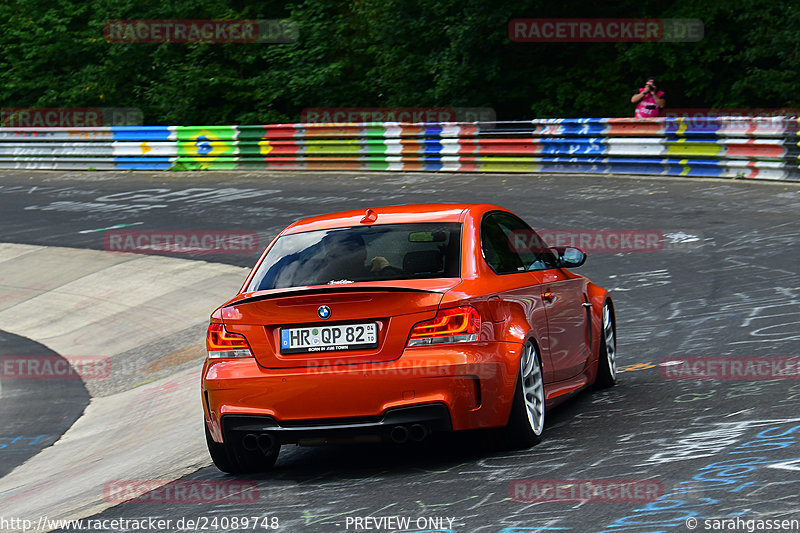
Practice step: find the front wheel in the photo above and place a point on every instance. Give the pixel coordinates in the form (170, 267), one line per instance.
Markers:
(607, 358)
(526, 422)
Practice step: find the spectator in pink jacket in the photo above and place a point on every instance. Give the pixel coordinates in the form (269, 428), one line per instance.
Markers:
(649, 100)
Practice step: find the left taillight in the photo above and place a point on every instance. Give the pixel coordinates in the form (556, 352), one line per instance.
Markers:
(221, 343)
(458, 324)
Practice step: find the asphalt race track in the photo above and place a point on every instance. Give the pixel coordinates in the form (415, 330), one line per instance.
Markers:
(34, 412)
(723, 283)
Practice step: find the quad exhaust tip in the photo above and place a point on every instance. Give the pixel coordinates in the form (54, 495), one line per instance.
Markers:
(250, 442)
(418, 432)
(263, 442)
(399, 434)
(403, 434)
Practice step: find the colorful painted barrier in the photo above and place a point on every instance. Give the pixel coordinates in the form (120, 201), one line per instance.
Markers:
(732, 147)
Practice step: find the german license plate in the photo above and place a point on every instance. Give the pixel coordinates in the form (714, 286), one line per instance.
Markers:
(332, 338)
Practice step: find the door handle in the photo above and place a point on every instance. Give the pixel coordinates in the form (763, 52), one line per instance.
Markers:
(548, 295)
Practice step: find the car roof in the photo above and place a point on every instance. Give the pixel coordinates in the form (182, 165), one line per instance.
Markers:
(396, 214)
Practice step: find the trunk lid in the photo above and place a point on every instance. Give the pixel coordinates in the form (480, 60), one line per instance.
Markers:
(393, 309)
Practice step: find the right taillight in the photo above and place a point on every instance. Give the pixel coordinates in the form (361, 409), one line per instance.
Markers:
(221, 343)
(458, 324)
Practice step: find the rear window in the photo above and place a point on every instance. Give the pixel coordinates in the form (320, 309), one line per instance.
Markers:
(361, 253)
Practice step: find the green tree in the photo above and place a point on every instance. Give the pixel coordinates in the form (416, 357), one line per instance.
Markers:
(409, 53)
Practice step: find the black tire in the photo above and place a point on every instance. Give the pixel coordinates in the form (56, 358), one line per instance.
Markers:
(525, 425)
(219, 454)
(606, 358)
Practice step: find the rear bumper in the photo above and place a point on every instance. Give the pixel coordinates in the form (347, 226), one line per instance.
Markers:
(414, 423)
(473, 382)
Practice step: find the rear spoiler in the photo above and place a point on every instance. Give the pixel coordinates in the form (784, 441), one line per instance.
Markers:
(333, 289)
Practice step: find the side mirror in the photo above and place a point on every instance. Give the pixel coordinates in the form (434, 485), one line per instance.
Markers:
(570, 257)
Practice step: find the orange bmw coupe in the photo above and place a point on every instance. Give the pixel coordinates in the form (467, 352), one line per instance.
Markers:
(394, 323)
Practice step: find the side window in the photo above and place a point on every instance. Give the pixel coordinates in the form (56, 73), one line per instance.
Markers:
(509, 245)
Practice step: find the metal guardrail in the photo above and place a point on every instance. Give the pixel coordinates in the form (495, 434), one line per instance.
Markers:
(732, 147)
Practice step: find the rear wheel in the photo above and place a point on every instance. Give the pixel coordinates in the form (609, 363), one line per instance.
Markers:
(219, 455)
(607, 358)
(526, 422)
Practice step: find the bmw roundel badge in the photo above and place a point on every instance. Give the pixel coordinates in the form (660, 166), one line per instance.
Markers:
(324, 312)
